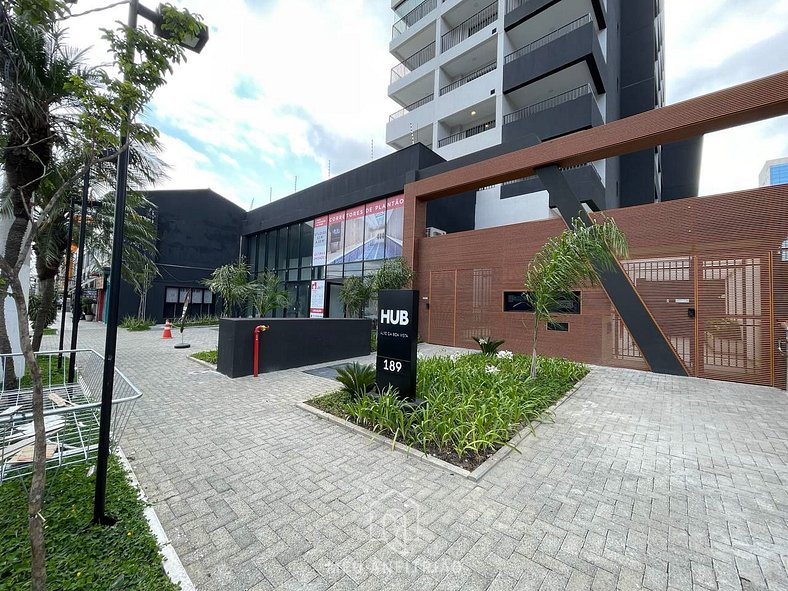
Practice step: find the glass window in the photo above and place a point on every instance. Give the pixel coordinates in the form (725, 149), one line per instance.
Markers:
(292, 292)
(306, 273)
(293, 246)
(352, 269)
(281, 253)
(171, 295)
(304, 295)
(182, 295)
(197, 296)
(292, 275)
(261, 252)
(252, 253)
(370, 267)
(270, 251)
(333, 271)
(207, 297)
(318, 272)
(307, 237)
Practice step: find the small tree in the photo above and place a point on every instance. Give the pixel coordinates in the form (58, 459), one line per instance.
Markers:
(231, 283)
(394, 274)
(268, 294)
(355, 294)
(566, 261)
(141, 281)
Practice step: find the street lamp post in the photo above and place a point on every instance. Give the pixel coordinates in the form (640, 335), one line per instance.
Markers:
(110, 346)
(65, 282)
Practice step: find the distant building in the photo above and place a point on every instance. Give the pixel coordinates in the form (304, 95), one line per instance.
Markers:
(774, 172)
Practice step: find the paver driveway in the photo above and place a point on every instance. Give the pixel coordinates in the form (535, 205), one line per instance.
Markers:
(642, 481)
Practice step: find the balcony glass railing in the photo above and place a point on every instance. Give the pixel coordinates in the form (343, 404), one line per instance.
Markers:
(411, 107)
(406, 66)
(468, 77)
(549, 38)
(413, 17)
(544, 105)
(469, 26)
(471, 131)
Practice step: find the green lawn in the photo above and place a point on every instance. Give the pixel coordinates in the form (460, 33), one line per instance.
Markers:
(81, 556)
(209, 356)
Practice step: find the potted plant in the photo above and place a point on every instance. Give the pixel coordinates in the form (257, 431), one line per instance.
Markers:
(87, 308)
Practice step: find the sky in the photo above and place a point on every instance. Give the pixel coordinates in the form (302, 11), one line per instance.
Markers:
(289, 92)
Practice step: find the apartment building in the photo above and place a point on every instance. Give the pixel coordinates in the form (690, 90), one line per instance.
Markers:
(475, 76)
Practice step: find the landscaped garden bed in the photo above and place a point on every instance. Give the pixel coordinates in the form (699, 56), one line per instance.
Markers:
(81, 555)
(473, 404)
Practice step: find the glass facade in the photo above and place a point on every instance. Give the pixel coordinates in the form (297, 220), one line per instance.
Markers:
(340, 244)
(778, 174)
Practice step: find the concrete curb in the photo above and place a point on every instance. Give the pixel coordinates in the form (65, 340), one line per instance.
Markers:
(201, 362)
(477, 473)
(171, 562)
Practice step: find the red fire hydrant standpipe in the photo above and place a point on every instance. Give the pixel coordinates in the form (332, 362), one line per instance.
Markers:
(257, 331)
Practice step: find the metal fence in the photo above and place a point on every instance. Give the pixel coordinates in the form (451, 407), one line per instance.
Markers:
(413, 17)
(468, 78)
(406, 66)
(469, 26)
(471, 131)
(71, 409)
(544, 105)
(549, 38)
(411, 107)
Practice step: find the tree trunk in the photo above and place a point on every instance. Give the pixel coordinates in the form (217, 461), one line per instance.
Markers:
(533, 354)
(36, 495)
(47, 293)
(9, 373)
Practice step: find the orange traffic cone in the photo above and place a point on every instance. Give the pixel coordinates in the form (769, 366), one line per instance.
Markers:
(167, 333)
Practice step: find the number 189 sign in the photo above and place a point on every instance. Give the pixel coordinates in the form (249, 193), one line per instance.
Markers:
(398, 325)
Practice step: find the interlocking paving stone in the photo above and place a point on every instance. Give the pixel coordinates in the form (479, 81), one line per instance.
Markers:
(641, 481)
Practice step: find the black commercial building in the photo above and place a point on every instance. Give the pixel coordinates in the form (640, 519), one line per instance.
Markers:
(198, 231)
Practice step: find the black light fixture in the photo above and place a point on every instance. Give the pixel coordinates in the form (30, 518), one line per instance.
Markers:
(193, 43)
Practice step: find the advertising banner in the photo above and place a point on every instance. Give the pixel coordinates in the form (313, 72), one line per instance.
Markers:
(319, 241)
(336, 237)
(395, 225)
(375, 230)
(354, 234)
(317, 299)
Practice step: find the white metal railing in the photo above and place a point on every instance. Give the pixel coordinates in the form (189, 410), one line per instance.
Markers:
(513, 4)
(72, 382)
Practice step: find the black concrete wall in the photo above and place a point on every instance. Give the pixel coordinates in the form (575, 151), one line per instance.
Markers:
(289, 342)
(198, 230)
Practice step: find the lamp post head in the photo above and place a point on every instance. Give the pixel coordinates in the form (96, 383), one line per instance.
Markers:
(193, 43)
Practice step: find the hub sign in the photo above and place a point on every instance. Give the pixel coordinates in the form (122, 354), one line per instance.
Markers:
(398, 326)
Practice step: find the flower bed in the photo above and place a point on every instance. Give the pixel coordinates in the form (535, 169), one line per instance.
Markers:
(473, 404)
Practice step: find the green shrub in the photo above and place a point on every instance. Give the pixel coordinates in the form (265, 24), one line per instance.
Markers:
(357, 379)
(202, 320)
(488, 346)
(133, 323)
(373, 341)
(474, 403)
(209, 356)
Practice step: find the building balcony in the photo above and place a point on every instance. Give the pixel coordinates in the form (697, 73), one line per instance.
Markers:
(584, 181)
(469, 27)
(410, 121)
(413, 62)
(559, 115)
(411, 107)
(463, 80)
(466, 133)
(519, 11)
(413, 17)
(573, 43)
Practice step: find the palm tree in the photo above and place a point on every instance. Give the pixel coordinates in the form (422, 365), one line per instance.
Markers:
(577, 256)
(268, 294)
(355, 294)
(231, 283)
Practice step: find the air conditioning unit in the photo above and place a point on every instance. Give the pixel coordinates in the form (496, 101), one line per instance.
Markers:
(434, 232)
